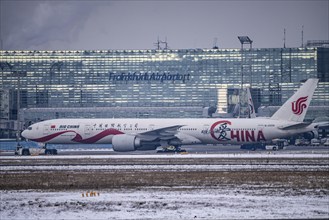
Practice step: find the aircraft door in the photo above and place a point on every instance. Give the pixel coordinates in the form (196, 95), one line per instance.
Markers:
(87, 129)
(260, 127)
(206, 129)
(151, 127)
(46, 128)
(260, 133)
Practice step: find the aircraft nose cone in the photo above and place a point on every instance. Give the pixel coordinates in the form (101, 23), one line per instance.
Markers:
(24, 133)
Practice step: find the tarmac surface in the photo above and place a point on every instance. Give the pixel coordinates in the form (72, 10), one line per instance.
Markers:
(195, 149)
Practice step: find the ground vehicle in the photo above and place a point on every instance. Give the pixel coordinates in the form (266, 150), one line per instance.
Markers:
(280, 143)
(315, 142)
(253, 146)
(301, 142)
(326, 143)
(34, 151)
(274, 147)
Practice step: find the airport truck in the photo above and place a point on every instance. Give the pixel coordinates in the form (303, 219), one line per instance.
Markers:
(315, 142)
(34, 151)
(253, 146)
(277, 144)
(301, 142)
(326, 143)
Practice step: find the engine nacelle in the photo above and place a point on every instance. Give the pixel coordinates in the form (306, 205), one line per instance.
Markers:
(124, 142)
(311, 134)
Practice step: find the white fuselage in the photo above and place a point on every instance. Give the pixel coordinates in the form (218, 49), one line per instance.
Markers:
(192, 131)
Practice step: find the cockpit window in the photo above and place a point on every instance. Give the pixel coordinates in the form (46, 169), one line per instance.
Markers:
(29, 128)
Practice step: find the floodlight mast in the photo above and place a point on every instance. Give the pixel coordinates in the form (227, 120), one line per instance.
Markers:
(243, 40)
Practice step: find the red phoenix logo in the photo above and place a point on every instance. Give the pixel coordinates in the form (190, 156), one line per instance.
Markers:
(299, 105)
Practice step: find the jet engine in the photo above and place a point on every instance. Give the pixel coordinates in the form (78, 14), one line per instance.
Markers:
(311, 134)
(124, 143)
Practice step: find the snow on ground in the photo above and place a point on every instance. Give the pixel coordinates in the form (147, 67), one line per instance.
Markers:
(243, 202)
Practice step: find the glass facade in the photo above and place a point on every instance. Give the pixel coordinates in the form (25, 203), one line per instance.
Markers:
(154, 79)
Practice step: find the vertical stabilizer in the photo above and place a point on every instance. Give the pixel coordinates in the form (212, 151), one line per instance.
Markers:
(295, 108)
(251, 107)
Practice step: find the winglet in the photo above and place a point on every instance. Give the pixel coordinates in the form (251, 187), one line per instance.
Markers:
(295, 108)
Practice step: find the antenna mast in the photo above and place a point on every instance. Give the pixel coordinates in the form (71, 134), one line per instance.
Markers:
(215, 44)
(165, 43)
(302, 35)
(284, 38)
(159, 44)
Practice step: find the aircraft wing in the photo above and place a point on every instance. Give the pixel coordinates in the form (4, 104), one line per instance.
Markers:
(294, 126)
(166, 133)
(322, 124)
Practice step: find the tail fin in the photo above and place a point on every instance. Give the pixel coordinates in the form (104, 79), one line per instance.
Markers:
(251, 107)
(295, 108)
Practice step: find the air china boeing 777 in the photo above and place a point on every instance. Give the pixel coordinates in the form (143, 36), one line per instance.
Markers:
(148, 134)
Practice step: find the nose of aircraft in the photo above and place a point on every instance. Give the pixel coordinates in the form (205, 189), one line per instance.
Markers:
(25, 134)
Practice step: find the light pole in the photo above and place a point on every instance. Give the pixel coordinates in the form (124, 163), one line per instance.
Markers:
(3, 66)
(55, 66)
(18, 74)
(243, 40)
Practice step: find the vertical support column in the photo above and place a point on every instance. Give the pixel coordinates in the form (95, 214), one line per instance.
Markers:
(243, 101)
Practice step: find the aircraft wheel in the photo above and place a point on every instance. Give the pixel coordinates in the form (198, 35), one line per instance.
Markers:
(25, 152)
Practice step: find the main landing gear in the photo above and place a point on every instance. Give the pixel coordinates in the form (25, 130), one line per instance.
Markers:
(172, 149)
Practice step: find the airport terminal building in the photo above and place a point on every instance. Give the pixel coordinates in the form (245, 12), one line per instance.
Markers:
(154, 83)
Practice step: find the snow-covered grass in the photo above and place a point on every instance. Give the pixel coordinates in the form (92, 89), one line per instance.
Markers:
(162, 167)
(242, 202)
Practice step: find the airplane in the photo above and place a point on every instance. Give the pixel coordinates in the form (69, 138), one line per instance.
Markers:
(147, 134)
(251, 107)
(316, 124)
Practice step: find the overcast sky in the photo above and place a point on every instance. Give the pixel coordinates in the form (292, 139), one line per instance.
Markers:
(101, 24)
